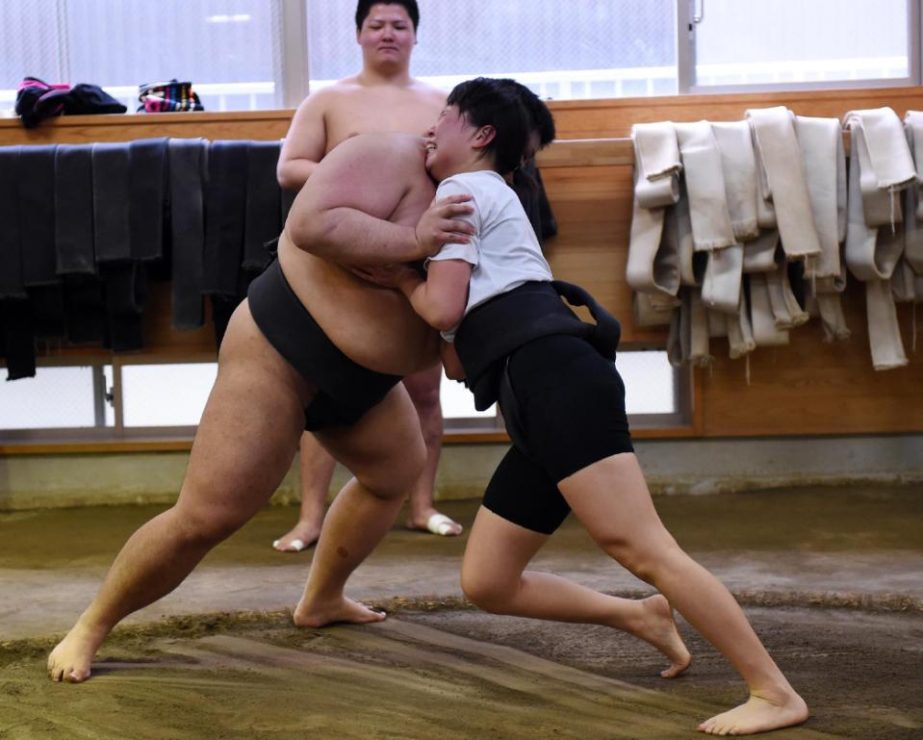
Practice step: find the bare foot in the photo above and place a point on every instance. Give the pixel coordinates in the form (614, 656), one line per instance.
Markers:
(760, 713)
(434, 522)
(71, 658)
(344, 610)
(659, 629)
(302, 536)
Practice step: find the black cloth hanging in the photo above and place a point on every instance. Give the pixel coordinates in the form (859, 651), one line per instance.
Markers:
(187, 224)
(111, 220)
(11, 279)
(225, 204)
(36, 212)
(73, 210)
(263, 220)
(225, 208)
(147, 188)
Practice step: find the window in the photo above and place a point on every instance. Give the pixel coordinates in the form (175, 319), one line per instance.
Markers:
(250, 54)
(124, 399)
(655, 396)
(127, 399)
(165, 395)
(790, 43)
(230, 49)
(57, 397)
(649, 383)
(458, 407)
(562, 50)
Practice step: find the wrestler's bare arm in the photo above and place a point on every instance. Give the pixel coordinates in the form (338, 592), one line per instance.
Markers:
(343, 212)
(305, 143)
(451, 362)
(439, 300)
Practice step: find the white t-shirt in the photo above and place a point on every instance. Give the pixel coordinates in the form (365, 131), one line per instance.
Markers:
(504, 252)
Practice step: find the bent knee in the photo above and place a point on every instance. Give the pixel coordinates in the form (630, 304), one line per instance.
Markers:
(423, 389)
(426, 399)
(396, 475)
(645, 560)
(486, 593)
(206, 525)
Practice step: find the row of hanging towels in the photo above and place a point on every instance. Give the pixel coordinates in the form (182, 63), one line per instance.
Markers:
(746, 229)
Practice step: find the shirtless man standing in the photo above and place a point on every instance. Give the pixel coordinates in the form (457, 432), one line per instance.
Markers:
(313, 347)
(382, 97)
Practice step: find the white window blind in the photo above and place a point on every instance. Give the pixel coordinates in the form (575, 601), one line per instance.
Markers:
(574, 49)
(241, 54)
(230, 49)
(790, 42)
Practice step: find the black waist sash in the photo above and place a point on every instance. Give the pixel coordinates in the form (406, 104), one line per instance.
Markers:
(496, 328)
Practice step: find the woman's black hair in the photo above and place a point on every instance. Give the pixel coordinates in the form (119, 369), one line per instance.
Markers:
(493, 102)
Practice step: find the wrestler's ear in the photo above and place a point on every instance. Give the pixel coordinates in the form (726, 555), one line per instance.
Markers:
(484, 135)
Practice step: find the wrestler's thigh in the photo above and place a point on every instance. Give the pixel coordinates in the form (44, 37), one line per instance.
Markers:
(423, 386)
(251, 425)
(611, 499)
(497, 552)
(384, 449)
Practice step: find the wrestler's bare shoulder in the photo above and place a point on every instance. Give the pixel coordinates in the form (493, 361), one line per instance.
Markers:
(391, 148)
(325, 98)
(427, 91)
(341, 88)
(355, 83)
(347, 97)
(380, 174)
(382, 106)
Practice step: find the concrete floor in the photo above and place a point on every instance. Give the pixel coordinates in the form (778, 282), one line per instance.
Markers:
(853, 555)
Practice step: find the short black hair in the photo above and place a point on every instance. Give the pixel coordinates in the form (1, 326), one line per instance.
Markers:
(484, 101)
(365, 6)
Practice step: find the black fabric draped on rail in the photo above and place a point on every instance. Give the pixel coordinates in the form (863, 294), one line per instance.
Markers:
(85, 227)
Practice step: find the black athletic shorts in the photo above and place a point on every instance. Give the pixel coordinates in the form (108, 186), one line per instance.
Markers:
(346, 390)
(570, 407)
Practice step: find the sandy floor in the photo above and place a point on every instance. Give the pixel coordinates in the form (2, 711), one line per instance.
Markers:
(833, 582)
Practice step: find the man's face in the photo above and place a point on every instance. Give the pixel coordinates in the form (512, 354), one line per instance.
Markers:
(448, 143)
(387, 35)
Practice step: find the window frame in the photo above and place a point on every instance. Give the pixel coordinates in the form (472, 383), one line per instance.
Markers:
(96, 364)
(687, 10)
(456, 428)
(683, 392)
(292, 75)
(100, 433)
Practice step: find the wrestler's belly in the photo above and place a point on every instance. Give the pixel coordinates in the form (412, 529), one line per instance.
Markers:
(373, 326)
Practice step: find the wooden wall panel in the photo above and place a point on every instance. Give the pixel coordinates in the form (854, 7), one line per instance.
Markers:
(593, 210)
(811, 387)
(162, 339)
(600, 119)
(263, 125)
(807, 387)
